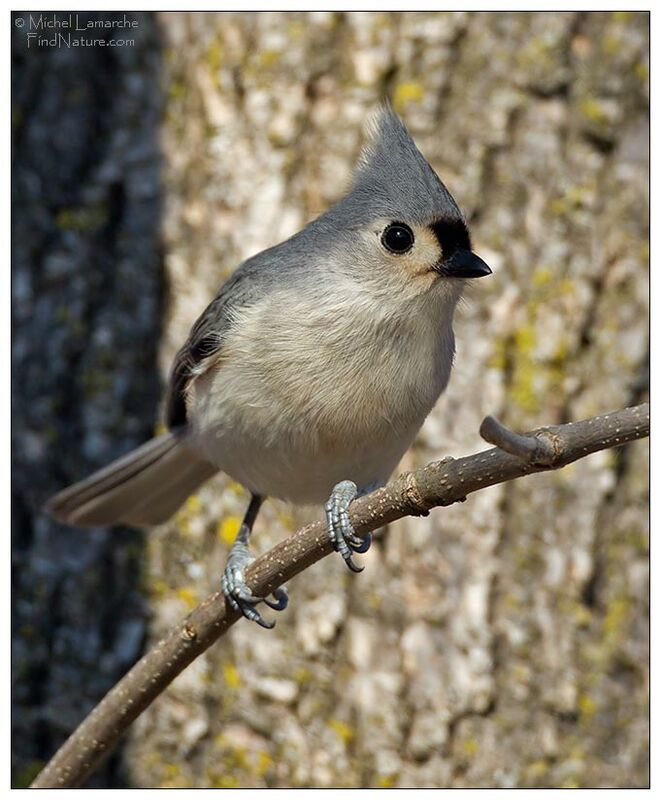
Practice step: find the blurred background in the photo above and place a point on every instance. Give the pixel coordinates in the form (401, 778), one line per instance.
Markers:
(500, 642)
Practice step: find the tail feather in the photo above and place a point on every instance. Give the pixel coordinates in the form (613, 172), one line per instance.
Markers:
(170, 494)
(144, 487)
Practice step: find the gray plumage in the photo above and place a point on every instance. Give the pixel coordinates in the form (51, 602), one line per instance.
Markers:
(393, 179)
(318, 360)
(144, 487)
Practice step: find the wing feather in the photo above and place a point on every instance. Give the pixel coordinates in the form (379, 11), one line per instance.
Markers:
(205, 341)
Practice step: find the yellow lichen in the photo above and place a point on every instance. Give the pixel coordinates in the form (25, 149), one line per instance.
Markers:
(498, 359)
(374, 601)
(542, 277)
(296, 29)
(302, 676)
(169, 771)
(24, 776)
(238, 758)
(228, 529)
(344, 731)
(536, 769)
(587, 706)
(469, 747)
(264, 762)
(611, 44)
(176, 90)
(405, 93)
(158, 588)
(184, 517)
(582, 614)
(188, 596)
(224, 781)
(286, 518)
(593, 111)
(215, 55)
(525, 339)
(641, 71)
(558, 206)
(81, 219)
(521, 673)
(233, 486)
(231, 675)
(525, 371)
(537, 53)
(616, 616)
(267, 58)
(193, 505)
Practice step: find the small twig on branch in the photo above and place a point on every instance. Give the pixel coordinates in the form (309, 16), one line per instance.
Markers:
(438, 484)
(537, 448)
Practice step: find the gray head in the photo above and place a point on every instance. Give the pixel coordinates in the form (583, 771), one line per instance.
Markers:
(400, 212)
(393, 177)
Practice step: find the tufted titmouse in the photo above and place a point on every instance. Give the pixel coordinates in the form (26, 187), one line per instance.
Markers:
(311, 371)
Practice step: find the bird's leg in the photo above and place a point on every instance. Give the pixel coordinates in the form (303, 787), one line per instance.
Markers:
(340, 530)
(234, 586)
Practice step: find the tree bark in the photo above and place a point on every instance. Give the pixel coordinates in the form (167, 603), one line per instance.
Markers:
(87, 283)
(414, 493)
(500, 642)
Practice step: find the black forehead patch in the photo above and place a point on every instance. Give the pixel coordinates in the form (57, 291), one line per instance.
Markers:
(452, 234)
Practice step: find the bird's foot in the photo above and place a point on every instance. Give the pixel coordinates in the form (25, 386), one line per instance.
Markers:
(236, 590)
(340, 530)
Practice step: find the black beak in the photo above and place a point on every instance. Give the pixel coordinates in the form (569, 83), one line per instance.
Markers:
(464, 264)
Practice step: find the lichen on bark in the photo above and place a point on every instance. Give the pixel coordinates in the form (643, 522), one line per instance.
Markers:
(503, 641)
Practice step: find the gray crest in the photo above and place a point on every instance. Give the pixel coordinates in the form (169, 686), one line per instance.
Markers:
(393, 179)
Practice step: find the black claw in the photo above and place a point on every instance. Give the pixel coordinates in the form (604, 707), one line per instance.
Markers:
(361, 545)
(352, 566)
(340, 531)
(346, 552)
(250, 612)
(242, 595)
(241, 599)
(281, 600)
(244, 603)
(238, 595)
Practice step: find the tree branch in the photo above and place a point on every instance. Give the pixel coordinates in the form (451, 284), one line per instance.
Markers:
(536, 449)
(415, 493)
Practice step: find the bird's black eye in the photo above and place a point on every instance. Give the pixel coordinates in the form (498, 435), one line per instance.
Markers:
(398, 238)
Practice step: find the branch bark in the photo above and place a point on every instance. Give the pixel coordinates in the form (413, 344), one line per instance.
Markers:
(415, 493)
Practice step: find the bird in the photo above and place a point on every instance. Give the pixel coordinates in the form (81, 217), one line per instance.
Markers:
(309, 374)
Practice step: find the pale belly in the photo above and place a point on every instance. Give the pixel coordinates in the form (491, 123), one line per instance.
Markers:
(291, 414)
(298, 449)
(300, 473)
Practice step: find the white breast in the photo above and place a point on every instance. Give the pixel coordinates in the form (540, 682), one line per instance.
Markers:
(320, 390)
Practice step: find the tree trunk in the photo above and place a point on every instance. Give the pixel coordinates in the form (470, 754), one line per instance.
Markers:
(86, 300)
(502, 642)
